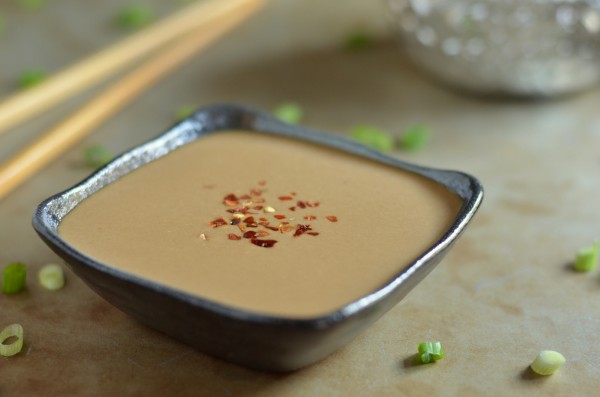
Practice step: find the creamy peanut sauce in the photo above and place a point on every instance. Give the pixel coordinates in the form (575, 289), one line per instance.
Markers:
(155, 223)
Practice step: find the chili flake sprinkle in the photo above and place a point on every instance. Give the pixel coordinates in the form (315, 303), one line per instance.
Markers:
(301, 229)
(218, 222)
(231, 200)
(263, 243)
(285, 228)
(243, 207)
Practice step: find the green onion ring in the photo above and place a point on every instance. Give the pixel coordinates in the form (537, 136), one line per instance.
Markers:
(13, 330)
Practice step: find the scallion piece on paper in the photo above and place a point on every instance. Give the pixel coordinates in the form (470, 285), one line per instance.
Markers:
(547, 362)
(51, 277)
(586, 258)
(358, 41)
(32, 5)
(373, 137)
(289, 112)
(13, 347)
(135, 17)
(96, 156)
(32, 77)
(13, 278)
(430, 352)
(415, 137)
(184, 111)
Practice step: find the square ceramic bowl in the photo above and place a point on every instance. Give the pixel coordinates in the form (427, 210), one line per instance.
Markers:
(262, 342)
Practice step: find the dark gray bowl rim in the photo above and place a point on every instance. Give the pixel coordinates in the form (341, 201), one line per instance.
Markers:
(46, 217)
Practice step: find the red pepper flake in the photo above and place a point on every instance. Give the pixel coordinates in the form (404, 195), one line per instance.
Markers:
(231, 200)
(240, 210)
(263, 233)
(258, 207)
(301, 229)
(242, 228)
(285, 198)
(292, 208)
(263, 243)
(293, 193)
(234, 236)
(256, 192)
(235, 221)
(301, 204)
(245, 197)
(310, 217)
(248, 220)
(331, 218)
(275, 229)
(218, 222)
(263, 220)
(250, 234)
(279, 216)
(312, 203)
(258, 200)
(262, 183)
(313, 233)
(285, 228)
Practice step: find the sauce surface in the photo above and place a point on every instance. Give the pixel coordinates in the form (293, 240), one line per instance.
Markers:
(370, 221)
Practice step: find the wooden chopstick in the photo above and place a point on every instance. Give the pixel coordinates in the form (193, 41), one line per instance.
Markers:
(56, 141)
(76, 78)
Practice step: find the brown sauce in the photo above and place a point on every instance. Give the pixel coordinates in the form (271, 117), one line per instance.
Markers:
(328, 227)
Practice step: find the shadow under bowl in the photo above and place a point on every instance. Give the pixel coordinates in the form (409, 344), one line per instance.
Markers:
(263, 342)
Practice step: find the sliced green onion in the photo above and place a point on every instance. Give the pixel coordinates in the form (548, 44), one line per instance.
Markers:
(289, 112)
(358, 41)
(547, 362)
(32, 5)
(96, 156)
(373, 137)
(51, 277)
(135, 17)
(184, 111)
(586, 258)
(430, 352)
(11, 331)
(415, 137)
(33, 77)
(13, 278)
